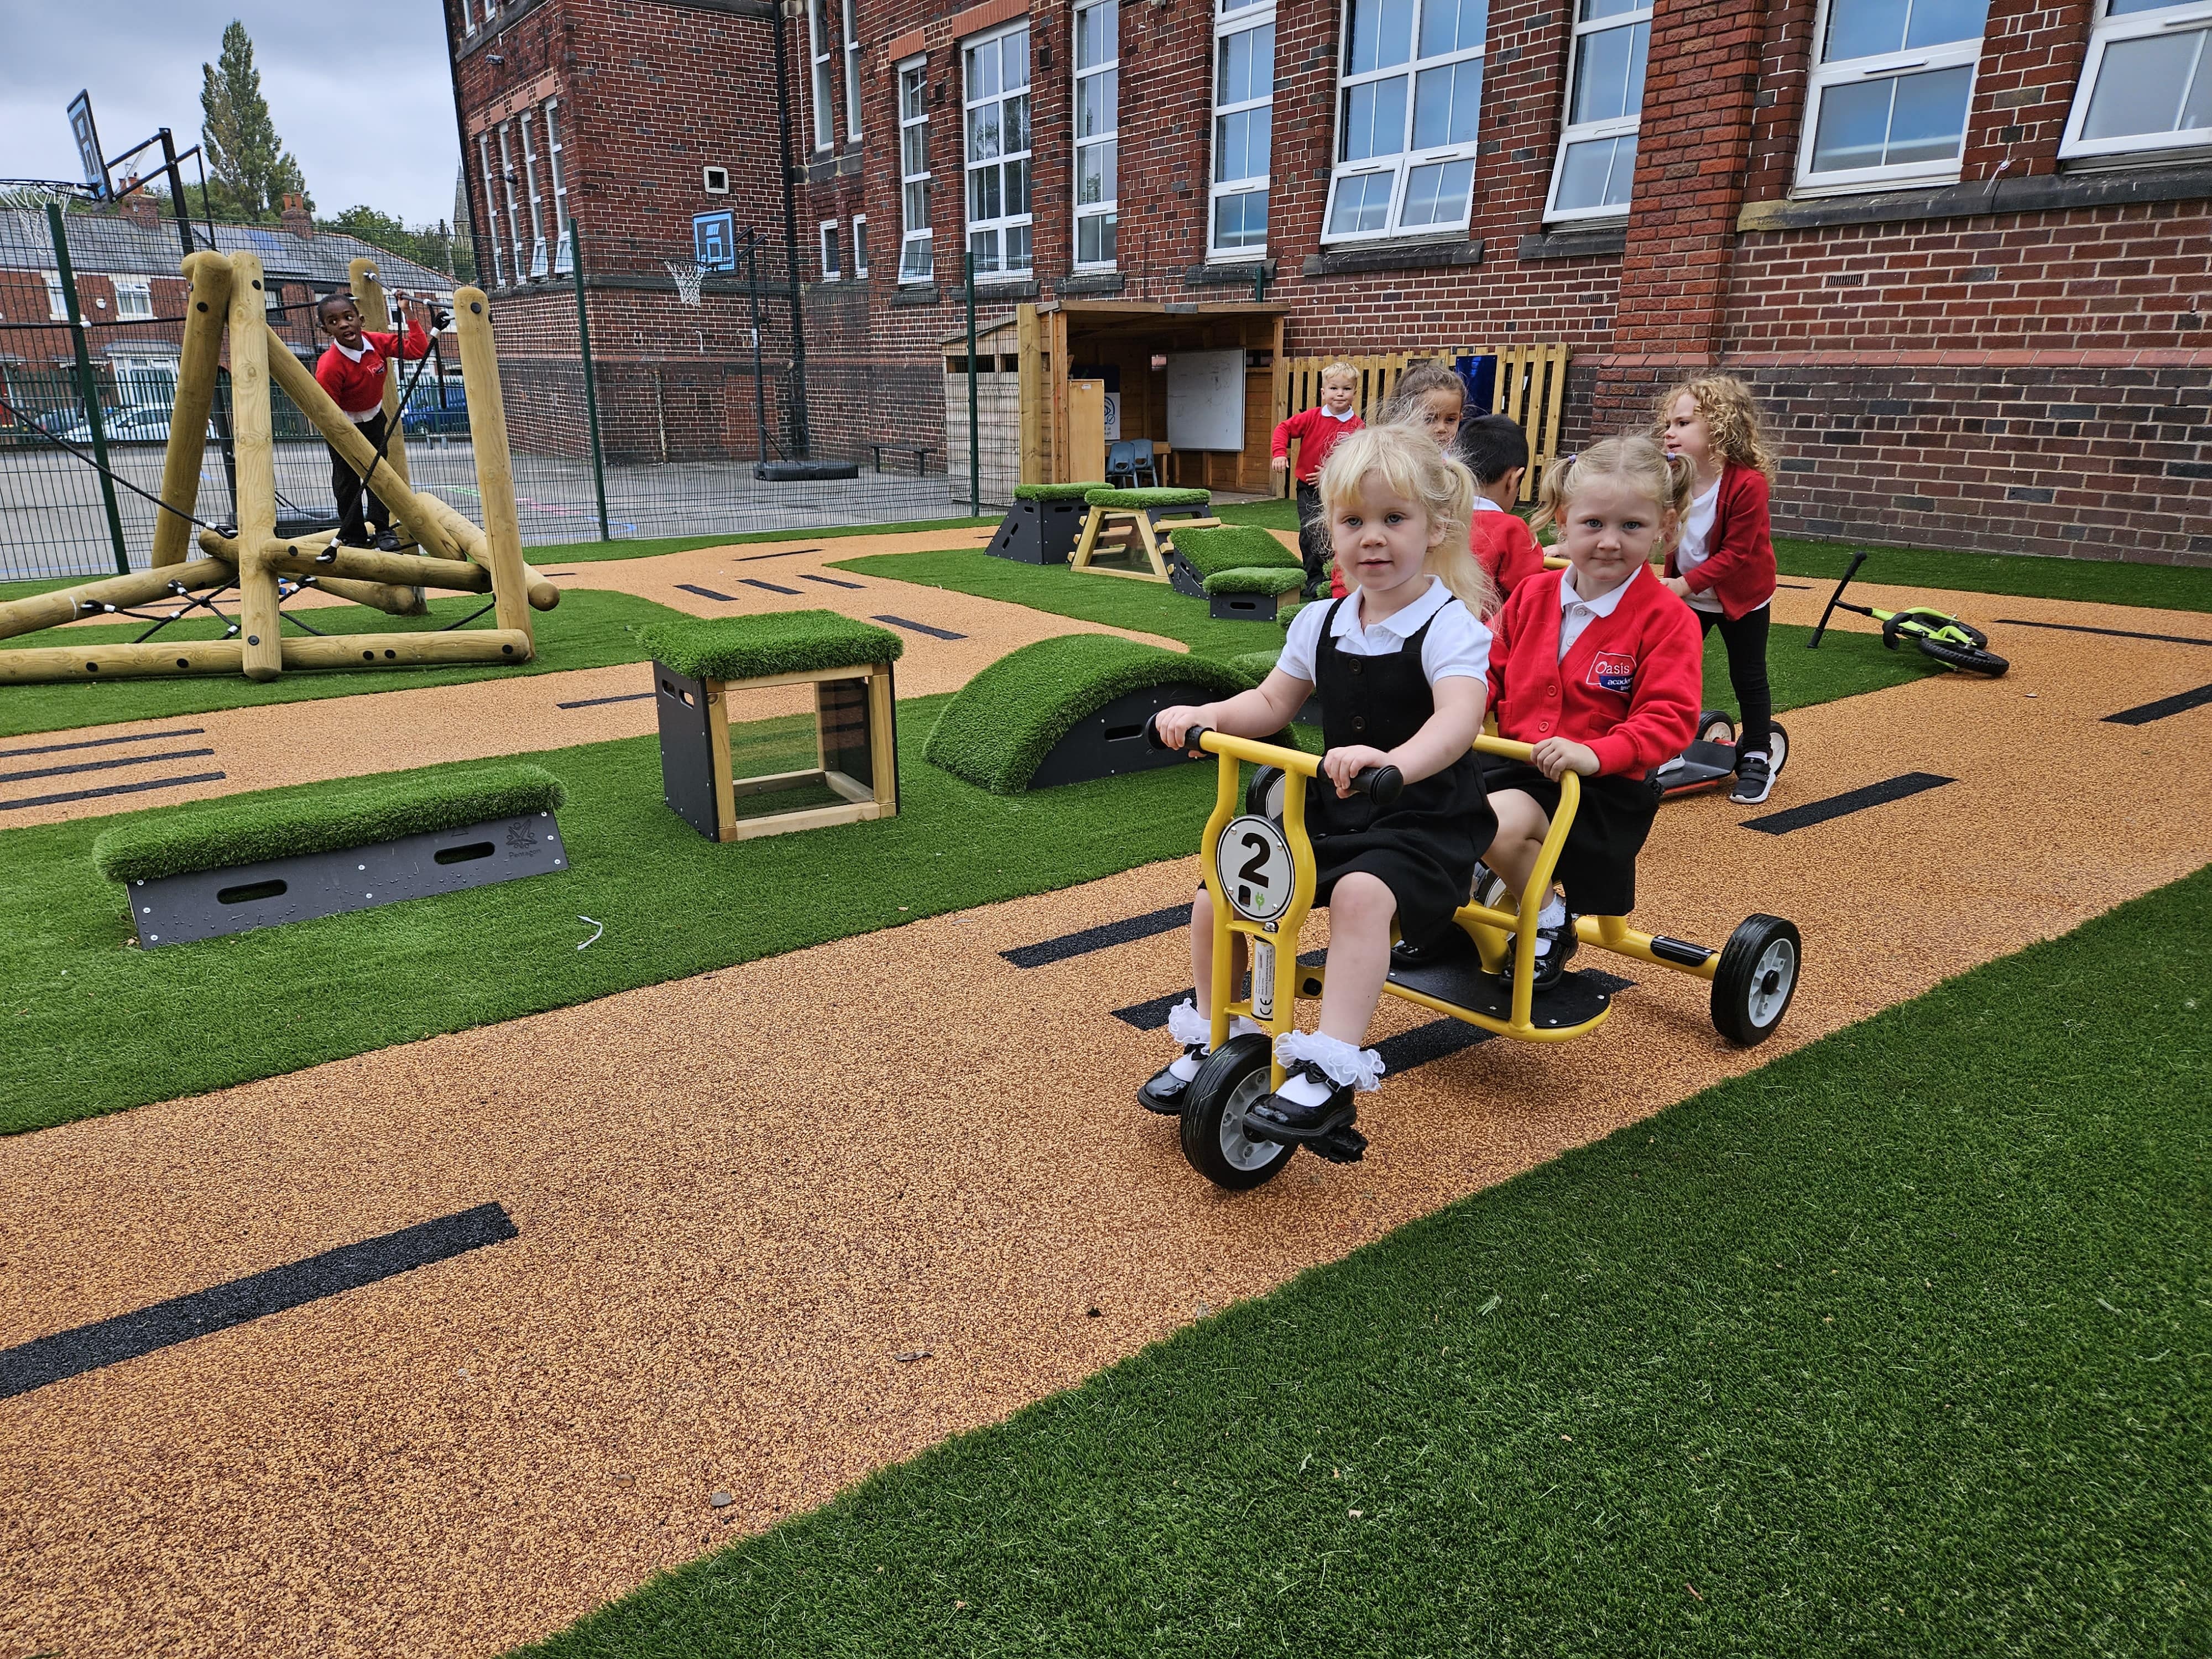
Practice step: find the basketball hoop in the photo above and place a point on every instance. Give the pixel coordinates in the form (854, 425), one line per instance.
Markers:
(688, 279)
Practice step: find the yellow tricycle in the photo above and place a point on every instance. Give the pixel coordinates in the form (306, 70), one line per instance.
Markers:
(1259, 869)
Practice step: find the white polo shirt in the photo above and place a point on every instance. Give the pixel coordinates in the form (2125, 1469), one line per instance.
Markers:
(1576, 613)
(1457, 644)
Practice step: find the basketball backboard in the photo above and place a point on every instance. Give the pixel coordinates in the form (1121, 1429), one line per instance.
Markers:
(88, 142)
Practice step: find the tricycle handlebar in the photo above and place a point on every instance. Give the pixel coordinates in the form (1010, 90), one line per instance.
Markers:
(1382, 784)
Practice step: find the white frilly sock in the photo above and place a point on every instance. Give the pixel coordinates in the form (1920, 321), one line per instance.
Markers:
(1186, 1025)
(1341, 1062)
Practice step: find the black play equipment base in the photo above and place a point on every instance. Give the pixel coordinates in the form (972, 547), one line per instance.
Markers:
(1039, 532)
(1240, 607)
(210, 903)
(1110, 741)
(1710, 762)
(804, 471)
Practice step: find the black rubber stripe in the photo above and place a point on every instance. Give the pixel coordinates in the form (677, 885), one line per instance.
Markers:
(755, 558)
(111, 789)
(706, 592)
(1795, 587)
(557, 573)
(101, 765)
(1851, 800)
(1068, 945)
(105, 743)
(829, 581)
(1424, 1043)
(755, 581)
(2179, 703)
(921, 628)
(133, 1335)
(593, 702)
(2110, 633)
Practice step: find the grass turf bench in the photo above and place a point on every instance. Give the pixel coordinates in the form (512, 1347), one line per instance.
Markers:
(1250, 595)
(1067, 709)
(697, 663)
(1043, 526)
(1199, 554)
(1132, 521)
(216, 868)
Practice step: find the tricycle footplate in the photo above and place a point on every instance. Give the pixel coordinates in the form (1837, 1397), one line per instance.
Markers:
(1576, 1000)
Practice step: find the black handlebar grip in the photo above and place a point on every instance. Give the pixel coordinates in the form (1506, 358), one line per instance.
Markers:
(1381, 784)
(1189, 738)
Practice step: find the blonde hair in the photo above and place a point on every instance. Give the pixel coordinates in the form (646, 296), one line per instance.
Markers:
(1330, 371)
(1633, 459)
(1410, 463)
(1416, 383)
(1731, 415)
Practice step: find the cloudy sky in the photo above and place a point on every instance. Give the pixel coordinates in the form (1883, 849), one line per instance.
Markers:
(141, 60)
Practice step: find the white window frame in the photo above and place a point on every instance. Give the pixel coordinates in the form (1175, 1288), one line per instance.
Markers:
(2107, 31)
(56, 299)
(564, 256)
(491, 205)
(1005, 222)
(1108, 208)
(468, 16)
(540, 263)
(514, 215)
(140, 292)
(1401, 163)
(859, 245)
(1570, 133)
(909, 233)
(852, 73)
(817, 54)
(1231, 18)
(827, 251)
(1880, 66)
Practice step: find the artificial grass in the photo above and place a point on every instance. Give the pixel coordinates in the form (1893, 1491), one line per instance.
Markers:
(1001, 725)
(218, 835)
(1110, 496)
(1895, 1345)
(1233, 547)
(673, 903)
(589, 630)
(1059, 492)
(782, 642)
(1249, 580)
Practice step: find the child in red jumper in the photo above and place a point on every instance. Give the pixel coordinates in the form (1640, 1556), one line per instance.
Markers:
(351, 369)
(1497, 452)
(1598, 666)
(1723, 564)
(1318, 431)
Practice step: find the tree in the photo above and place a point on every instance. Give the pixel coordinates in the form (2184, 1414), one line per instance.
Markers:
(250, 170)
(426, 245)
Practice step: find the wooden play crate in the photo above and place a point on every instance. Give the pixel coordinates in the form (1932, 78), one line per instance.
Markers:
(698, 665)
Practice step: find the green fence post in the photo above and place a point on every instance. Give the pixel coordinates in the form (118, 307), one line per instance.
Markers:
(591, 385)
(88, 388)
(974, 424)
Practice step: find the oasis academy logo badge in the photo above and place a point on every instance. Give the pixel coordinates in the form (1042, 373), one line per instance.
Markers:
(1611, 671)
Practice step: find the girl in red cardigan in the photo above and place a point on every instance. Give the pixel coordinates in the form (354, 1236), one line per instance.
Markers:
(1723, 563)
(1599, 668)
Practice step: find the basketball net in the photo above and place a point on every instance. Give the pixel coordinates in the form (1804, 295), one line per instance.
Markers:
(688, 279)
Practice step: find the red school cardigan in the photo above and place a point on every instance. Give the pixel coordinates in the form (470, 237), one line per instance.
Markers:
(1317, 432)
(1629, 687)
(1738, 567)
(354, 386)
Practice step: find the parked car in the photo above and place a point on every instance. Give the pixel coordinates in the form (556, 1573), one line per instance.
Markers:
(424, 417)
(137, 424)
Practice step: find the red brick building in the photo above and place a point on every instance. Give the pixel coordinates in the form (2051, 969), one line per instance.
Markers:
(1960, 245)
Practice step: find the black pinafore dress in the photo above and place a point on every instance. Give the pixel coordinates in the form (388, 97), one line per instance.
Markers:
(1424, 848)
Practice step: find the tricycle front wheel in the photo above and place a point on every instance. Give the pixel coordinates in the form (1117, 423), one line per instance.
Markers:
(1234, 1079)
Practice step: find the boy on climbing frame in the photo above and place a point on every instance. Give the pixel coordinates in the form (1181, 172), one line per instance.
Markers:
(351, 369)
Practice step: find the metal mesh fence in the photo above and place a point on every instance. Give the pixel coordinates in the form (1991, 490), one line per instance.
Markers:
(631, 413)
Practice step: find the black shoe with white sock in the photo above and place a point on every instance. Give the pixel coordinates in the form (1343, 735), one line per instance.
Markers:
(1754, 780)
(1163, 1093)
(1310, 1106)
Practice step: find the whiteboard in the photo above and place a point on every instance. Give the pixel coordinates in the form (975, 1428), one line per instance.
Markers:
(1206, 400)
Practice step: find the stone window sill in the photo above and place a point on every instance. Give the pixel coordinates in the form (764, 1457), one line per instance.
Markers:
(1583, 242)
(2043, 192)
(1426, 254)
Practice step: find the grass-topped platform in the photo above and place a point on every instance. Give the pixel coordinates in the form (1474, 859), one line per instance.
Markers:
(1233, 547)
(1044, 524)
(1250, 595)
(733, 648)
(1067, 709)
(1059, 492)
(1134, 522)
(213, 868)
(1107, 495)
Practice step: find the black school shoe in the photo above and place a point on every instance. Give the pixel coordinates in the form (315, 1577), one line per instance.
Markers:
(387, 542)
(1448, 946)
(1754, 780)
(1163, 1093)
(1551, 964)
(1290, 1124)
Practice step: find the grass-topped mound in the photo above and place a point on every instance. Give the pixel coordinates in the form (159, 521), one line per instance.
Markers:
(218, 834)
(1247, 581)
(782, 643)
(1255, 666)
(1007, 719)
(1058, 492)
(1234, 547)
(1136, 498)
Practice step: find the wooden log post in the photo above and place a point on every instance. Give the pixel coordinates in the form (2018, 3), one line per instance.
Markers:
(139, 587)
(495, 464)
(197, 359)
(405, 650)
(301, 387)
(543, 595)
(376, 312)
(44, 664)
(316, 557)
(377, 596)
(259, 622)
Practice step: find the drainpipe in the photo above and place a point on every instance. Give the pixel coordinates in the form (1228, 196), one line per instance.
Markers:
(799, 446)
